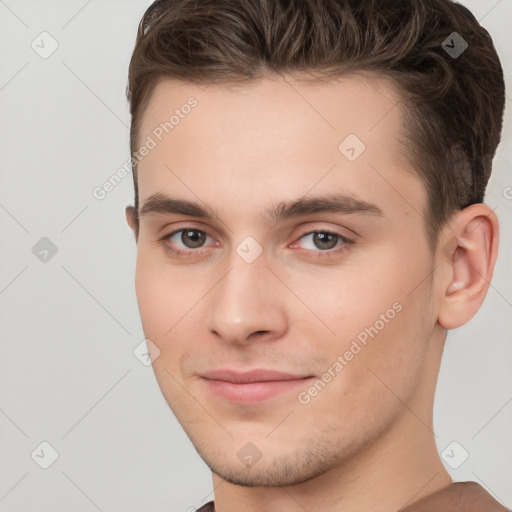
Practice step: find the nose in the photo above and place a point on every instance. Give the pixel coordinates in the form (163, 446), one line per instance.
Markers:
(247, 304)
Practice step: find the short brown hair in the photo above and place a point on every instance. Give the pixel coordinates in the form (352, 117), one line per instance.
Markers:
(453, 103)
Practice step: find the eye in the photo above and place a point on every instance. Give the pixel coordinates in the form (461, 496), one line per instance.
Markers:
(323, 241)
(185, 241)
(192, 238)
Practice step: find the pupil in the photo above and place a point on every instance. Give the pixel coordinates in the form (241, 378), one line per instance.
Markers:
(325, 240)
(195, 238)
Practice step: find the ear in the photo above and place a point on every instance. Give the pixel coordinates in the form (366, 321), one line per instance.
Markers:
(131, 215)
(466, 259)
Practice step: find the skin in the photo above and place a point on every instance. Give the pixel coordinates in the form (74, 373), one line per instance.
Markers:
(365, 441)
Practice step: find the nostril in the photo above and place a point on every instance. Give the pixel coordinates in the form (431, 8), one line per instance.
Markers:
(258, 333)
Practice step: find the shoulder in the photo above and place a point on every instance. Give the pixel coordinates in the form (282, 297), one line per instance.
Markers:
(209, 507)
(458, 497)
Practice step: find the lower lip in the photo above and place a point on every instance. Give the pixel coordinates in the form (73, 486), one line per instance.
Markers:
(253, 392)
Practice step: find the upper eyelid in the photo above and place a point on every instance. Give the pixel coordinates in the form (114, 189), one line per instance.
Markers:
(307, 232)
(186, 228)
(328, 231)
(312, 229)
(329, 218)
(342, 238)
(315, 227)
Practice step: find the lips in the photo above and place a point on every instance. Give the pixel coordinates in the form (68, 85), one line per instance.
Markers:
(251, 376)
(251, 386)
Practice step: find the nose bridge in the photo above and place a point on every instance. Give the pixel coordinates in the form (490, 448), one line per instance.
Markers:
(241, 303)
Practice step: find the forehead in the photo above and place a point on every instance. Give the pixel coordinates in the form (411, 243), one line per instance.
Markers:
(275, 138)
(358, 102)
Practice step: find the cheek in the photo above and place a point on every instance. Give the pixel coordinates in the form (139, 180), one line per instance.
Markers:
(340, 304)
(163, 303)
(376, 377)
(163, 298)
(381, 318)
(155, 305)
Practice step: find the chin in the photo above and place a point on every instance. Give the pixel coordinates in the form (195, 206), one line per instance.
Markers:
(291, 469)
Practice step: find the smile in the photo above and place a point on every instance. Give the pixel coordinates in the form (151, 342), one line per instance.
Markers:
(251, 387)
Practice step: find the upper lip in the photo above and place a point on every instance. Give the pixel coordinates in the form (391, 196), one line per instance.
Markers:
(258, 375)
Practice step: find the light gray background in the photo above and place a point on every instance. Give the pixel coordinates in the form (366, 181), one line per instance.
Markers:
(68, 375)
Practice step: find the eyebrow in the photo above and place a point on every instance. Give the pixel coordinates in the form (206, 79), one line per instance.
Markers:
(328, 203)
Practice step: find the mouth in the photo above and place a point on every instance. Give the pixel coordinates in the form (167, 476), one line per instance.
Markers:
(253, 386)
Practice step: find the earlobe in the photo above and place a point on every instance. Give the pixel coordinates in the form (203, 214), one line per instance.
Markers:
(467, 262)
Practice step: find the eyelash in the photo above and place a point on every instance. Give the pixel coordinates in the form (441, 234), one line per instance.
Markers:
(346, 242)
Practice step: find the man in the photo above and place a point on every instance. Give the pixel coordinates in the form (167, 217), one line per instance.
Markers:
(309, 178)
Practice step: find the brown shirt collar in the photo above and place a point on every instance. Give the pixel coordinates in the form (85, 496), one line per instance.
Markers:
(456, 497)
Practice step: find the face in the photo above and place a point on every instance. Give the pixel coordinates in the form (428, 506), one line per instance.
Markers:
(286, 302)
